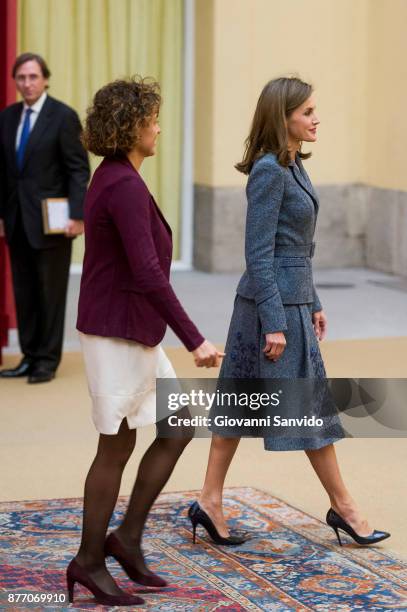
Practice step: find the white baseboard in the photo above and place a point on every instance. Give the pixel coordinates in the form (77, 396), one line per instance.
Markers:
(13, 346)
(76, 269)
(176, 266)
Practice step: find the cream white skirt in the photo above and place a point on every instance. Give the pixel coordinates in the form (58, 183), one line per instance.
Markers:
(121, 378)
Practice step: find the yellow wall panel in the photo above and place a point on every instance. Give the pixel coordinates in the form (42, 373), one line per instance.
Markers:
(387, 94)
(88, 43)
(251, 41)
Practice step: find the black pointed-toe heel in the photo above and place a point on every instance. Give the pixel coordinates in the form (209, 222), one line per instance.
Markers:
(198, 516)
(75, 573)
(336, 522)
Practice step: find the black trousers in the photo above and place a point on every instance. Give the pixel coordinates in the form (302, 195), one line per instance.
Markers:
(40, 280)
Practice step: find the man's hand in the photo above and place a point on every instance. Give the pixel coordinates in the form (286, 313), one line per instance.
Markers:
(275, 345)
(320, 323)
(2, 234)
(73, 228)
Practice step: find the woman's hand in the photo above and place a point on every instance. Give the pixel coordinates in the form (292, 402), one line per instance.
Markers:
(320, 323)
(275, 345)
(207, 355)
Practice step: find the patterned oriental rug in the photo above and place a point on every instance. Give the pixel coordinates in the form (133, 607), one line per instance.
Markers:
(292, 562)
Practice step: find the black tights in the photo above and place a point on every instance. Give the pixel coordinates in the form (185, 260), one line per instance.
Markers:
(102, 489)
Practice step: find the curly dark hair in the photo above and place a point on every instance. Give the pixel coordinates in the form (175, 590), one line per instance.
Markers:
(119, 109)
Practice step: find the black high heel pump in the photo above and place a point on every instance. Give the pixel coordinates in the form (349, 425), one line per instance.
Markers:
(336, 522)
(199, 517)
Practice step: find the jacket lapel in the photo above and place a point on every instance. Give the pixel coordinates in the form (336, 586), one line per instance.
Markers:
(43, 121)
(160, 214)
(11, 135)
(157, 208)
(303, 180)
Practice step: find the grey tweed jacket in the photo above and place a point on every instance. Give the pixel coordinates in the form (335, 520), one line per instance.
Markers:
(281, 216)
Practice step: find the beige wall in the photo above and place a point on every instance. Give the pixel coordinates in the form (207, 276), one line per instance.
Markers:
(204, 91)
(387, 94)
(352, 51)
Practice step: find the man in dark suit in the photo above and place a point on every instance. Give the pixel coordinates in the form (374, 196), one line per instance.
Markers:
(41, 157)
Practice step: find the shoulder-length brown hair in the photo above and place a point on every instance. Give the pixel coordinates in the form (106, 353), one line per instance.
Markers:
(268, 133)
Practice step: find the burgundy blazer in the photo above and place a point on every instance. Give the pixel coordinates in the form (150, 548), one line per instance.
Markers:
(125, 289)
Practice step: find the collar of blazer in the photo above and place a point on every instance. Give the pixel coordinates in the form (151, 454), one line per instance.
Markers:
(302, 179)
(10, 130)
(41, 124)
(124, 161)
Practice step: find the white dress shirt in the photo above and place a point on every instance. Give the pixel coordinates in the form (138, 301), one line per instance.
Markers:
(36, 109)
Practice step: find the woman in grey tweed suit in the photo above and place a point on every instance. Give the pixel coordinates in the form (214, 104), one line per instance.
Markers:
(278, 319)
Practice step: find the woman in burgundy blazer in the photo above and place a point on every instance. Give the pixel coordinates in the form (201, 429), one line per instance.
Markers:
(125, 291)
(125, 304)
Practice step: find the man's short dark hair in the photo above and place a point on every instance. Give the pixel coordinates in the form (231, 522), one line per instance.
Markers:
(29, 57)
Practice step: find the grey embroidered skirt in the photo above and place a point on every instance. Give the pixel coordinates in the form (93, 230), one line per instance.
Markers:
(301, 359)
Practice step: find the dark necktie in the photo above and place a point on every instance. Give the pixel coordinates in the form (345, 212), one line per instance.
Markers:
(25, 134)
